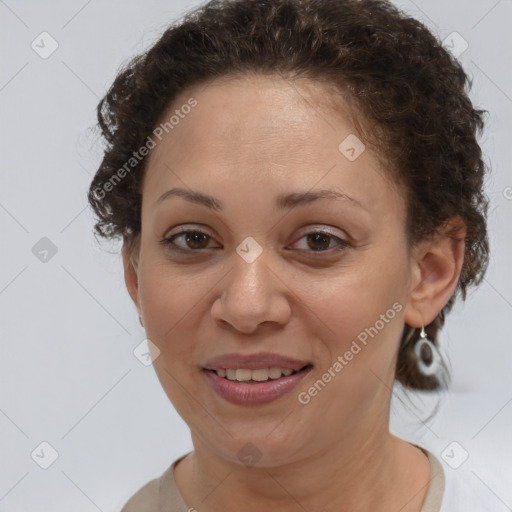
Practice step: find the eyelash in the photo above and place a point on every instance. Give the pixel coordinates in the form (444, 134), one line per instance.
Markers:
(169, 241)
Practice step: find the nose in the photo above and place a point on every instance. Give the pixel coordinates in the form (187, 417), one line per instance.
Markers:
(252, 294)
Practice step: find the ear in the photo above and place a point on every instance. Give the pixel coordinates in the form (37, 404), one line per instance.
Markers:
(130, 253)
(436, 266)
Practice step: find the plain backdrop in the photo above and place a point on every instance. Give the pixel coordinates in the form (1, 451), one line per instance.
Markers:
(68, 374)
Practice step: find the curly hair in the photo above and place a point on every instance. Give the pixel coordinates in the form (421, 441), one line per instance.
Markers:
(394, 71)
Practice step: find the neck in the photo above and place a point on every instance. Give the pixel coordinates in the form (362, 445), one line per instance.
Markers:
(364, 471)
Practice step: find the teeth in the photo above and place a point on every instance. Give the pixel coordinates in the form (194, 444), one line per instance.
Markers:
(259, 375)
(274, 373)
(243, 374)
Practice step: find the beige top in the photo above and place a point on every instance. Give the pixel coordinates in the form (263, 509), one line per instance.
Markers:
(162, 495)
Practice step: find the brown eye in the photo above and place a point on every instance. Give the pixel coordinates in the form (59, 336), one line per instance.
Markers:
(193, 240)
(321, 241)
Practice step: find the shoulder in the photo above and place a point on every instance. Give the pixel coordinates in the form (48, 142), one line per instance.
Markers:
(461, 484)
(146, 499)
(158, 493)
(465, 490)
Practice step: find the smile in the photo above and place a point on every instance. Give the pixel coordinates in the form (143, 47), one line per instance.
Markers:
(258, 375)
(254, 387)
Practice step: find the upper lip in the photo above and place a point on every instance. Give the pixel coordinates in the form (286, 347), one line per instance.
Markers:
(254, 361)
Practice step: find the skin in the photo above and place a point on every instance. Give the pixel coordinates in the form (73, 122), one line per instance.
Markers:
(247, 141)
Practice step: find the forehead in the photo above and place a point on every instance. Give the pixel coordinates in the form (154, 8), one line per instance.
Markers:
(260, 129)
(255, 113)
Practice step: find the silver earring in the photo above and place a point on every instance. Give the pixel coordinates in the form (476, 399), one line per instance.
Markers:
(427, 355)
(140, 320)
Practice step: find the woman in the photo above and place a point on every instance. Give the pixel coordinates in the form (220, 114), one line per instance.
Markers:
(298, 186)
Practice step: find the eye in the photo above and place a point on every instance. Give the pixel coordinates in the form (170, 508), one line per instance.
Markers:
(320, 241)
(193, 240)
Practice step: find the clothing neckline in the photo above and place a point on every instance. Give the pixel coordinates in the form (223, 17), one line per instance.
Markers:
(170, 496)
(436, 485)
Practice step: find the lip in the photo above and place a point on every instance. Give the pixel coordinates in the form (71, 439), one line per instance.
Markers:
(244, 393)
(254, 361)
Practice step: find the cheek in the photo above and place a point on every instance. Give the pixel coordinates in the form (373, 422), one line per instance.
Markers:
(364, 308)
(168, 301)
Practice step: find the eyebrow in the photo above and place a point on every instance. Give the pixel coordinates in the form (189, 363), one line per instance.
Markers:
(283, 201)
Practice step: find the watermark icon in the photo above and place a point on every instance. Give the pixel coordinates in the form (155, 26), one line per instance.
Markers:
(249, 249)
(455, 44)
(351, 147)
(249, 454)
(44, 250)
(44, 455)
(455, 455)
(44, 45)
(146, 352)
(304, 397)
(143, 151)
(507, 193)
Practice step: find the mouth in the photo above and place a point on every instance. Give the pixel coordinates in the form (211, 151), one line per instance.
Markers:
(249, 387)
(256, 376)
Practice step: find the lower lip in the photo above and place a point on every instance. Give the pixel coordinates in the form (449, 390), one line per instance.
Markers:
(244, 393)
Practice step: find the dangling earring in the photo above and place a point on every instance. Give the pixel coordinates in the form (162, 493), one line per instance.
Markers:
(427, 355)
(140, 320)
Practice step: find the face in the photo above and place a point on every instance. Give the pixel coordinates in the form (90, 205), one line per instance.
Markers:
(322, 279)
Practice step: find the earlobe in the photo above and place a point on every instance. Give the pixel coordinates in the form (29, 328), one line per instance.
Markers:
(130, 254)
(437, 264)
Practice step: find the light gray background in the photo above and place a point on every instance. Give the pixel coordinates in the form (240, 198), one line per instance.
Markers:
(68, 375)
